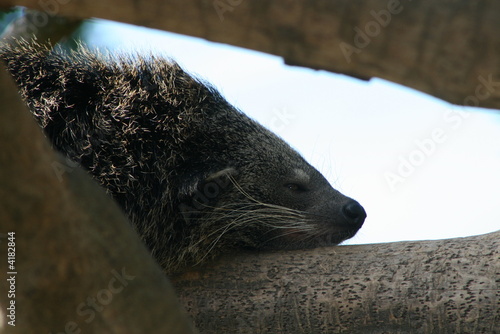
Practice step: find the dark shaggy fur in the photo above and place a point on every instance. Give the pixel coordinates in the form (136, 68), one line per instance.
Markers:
(195, 176)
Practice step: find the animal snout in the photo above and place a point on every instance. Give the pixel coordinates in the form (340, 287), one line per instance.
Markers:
(354, 213)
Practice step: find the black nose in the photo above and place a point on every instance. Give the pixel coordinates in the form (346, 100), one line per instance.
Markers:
(354, 212)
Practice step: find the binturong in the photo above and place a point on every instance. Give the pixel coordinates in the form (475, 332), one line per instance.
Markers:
(196, 177)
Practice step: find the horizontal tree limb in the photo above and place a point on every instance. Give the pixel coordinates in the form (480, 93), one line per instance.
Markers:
(445, 48)
(441, 286)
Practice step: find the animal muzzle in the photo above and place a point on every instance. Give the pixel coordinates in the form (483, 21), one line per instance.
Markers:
(354, 214)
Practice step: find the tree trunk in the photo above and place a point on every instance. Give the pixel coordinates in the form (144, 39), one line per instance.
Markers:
(71, 262)
(444, 286)
(445, 48)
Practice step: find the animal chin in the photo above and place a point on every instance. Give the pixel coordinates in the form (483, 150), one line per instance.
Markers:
(295, 238)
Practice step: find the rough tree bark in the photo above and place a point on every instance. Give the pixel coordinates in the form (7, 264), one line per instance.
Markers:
(443, 286)
(78, 265)
(445, 48)
(447, 286)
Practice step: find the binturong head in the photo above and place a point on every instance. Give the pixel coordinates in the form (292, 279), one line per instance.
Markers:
(265, 196)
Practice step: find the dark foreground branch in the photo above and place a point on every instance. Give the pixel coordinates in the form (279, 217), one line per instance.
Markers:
(443, 286)
(445, 48)
(74, 262)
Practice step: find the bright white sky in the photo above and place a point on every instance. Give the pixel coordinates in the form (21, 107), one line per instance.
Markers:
(356, 133)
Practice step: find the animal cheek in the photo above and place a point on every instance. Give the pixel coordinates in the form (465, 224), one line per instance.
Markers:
(293, 235)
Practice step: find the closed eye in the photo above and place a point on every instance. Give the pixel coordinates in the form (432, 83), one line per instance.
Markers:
(295, 187)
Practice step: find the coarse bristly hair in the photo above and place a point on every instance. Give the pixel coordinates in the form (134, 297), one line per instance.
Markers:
(195, 176)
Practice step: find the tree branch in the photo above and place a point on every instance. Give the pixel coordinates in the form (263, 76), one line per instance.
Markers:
(444, 48)
(443, 286)
(78, 265)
